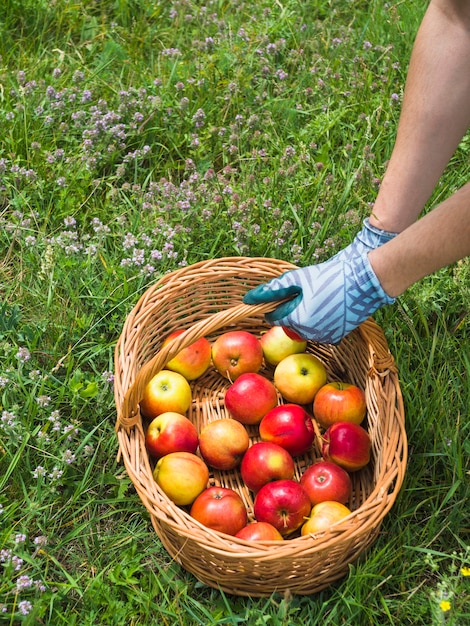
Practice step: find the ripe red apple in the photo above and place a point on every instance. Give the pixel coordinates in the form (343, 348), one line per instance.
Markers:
(290, 426)
(171, 432)
(259, 531)
(182, 476)
(326, 481)
(222, 443)
(277, 343)
(284, 504)
(298, 377)
(264, 462)
(237, 352)
(166, 391)
(323, 515)
(347, 444)
(339, 402)
(221, 509)
(192, 361)
(250, 397)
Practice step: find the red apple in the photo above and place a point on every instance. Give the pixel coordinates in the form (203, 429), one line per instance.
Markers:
(166, 391)
(298, 377)
(284, 504)
(192, 361)
(290, 426)
(250, 397)
(347, 444)
(339, 402)
(222, 443)
(323, 515)
(326, 481)
(221, 509)
(237, 352)
(259, 531)
(182, 476)
(171, 432)
(277, 344)
(264, 462)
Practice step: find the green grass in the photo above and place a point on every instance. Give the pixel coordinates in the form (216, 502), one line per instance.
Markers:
(141, 136)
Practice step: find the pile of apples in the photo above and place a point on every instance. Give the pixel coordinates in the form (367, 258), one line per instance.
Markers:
(270, 422)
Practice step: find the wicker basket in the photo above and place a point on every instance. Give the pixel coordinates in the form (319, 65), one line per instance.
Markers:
(205, 298)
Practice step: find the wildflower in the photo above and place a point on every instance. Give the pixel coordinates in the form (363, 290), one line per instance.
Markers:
(40, 541)
(23, 355)
(39, 472)
(23, 582)
(43, 400)
(24, 607)
(465, 571)
(445, 605)
(69, 457)
(20, 538)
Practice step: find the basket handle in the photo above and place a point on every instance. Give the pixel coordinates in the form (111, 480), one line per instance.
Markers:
(128, 415)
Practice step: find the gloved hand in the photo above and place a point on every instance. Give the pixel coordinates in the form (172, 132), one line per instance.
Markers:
(329, 299)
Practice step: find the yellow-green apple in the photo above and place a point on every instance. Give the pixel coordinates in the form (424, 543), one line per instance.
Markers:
(221, 509)
(166, 391)
(277, 344)
(250, 397)
(298, 377)
(222, 443)
(237, 352)
(290, 426)
(347, 444)
(259, 531)
(284, 504)
(323, 515)
(326, 481)
(182, 476)
(264, 462)
(339, 402)
(192, 361)
(170, 432)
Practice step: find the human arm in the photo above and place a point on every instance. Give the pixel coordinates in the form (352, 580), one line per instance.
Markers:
(332, 298)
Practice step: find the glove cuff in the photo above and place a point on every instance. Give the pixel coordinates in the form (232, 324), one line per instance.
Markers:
(373, 237)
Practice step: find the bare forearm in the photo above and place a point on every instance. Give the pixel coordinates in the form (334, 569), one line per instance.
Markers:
(435, 114)
(438, 239)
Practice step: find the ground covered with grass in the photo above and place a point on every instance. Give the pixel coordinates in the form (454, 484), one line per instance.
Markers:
(142, 136)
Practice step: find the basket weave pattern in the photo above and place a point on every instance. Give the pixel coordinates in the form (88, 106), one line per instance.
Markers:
(205, 299)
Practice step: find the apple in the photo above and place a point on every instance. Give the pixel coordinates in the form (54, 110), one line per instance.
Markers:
(259, 531)
(347, 444)
(339, 402)
(325, 480)
(237, 352)
(284, 504)
(277, 343)
(166, 391)
(182, 476)
(323, 515)
(292, 334)
(222, 443)
(221, 509)
(250, 397)
(298, 377)
(290, 426)
(192, 361)
(170, 432)
(264, 462)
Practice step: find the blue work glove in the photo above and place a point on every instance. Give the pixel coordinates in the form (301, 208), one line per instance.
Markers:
(332, 298)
